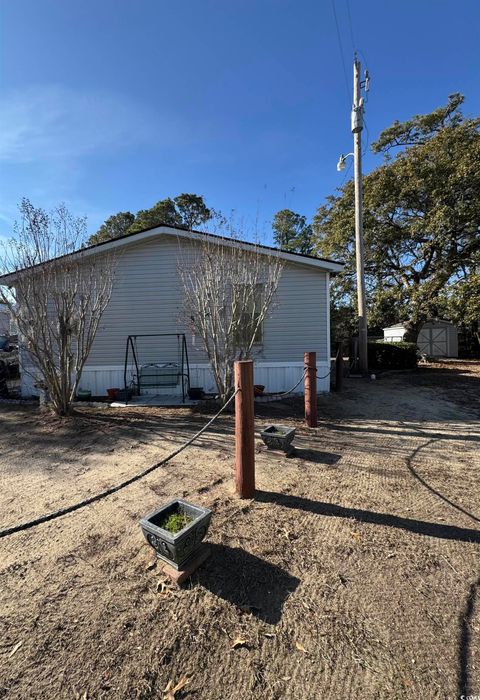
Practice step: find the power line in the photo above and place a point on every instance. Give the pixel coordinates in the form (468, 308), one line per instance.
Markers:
(350, 25)
(365, 149)
(347, 171)
(340, 45)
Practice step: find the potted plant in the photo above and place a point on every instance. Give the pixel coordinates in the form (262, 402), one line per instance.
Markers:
(195, 392)
(176, 530)
(278, 437)
(124, 394)
(84, 394)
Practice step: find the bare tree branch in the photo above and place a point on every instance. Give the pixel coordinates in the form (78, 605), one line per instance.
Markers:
(57, 300)
(228, 291)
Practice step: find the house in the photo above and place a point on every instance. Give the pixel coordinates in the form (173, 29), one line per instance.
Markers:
(436, 338)
(140, 333)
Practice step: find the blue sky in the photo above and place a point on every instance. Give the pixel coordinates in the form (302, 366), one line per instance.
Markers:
(111, 105)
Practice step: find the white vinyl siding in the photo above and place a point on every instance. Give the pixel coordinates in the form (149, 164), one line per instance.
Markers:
(299, 320)
(147, 298)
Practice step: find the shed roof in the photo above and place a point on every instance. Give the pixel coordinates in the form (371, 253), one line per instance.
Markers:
(395, 327)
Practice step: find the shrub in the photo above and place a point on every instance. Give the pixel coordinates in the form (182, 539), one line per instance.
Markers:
(382, 355)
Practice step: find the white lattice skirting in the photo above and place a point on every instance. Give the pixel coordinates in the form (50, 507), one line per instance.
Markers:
(275, 376)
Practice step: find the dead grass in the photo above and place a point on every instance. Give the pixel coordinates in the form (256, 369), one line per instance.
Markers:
(354, 573)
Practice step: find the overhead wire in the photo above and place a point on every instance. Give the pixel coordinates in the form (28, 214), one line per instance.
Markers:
(347, 171)
(340, 46)
(350, 26)
(366, 145)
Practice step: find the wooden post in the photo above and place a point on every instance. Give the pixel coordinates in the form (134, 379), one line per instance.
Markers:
(339, 368)
(310, 360)
(244, 430)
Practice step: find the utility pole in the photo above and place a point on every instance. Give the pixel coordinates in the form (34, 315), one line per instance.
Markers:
(357, 126)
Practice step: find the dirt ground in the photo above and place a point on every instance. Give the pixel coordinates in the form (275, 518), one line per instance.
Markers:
(355, 572)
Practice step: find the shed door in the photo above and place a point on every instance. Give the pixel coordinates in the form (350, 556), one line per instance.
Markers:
(433, 341)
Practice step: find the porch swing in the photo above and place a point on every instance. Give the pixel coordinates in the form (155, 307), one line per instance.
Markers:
(141, 374)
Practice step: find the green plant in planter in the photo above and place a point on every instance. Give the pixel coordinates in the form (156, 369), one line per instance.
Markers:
(176, 530)
(175, 522)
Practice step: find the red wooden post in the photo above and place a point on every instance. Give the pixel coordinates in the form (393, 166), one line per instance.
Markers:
(311, 389)
(244, 430)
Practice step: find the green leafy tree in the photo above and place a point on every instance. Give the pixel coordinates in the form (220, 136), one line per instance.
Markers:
(421, 217)
(461, 302)
(163, 212)
(291, 232)
(192, 210)
(464, 300)
(115, 226)
(185, 210)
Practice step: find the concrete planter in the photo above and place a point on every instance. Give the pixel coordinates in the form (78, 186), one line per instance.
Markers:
(84, 395)
(176, 549)
(278, 437)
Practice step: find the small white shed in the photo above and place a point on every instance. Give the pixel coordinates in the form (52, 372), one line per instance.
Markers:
(394, 334)
(436, 338)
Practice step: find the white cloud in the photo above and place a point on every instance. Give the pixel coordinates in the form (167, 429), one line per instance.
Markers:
(53, 123)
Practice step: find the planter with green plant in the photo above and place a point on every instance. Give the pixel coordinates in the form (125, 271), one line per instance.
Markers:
(176, 531)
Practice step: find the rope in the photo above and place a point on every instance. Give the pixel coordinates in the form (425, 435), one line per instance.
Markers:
(326, 375)
(285, 393)
(113, 489)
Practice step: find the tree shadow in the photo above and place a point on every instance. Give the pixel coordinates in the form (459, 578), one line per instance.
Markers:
(251, 584)
(464, 689)
(418, 527)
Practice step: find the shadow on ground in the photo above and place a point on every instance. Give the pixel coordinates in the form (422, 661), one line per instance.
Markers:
(316, 457)
(466, 620)
(251, 584)
(419, 527)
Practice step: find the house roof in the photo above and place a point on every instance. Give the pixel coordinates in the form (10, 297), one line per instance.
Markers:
(155, 231)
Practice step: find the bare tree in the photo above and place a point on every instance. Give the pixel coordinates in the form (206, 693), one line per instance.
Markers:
(229, 288)
(57, 298)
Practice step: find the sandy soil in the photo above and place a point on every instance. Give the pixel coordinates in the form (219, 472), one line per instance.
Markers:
(354, 573)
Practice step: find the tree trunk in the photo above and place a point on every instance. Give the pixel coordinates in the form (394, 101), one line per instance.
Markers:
(413, 329)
